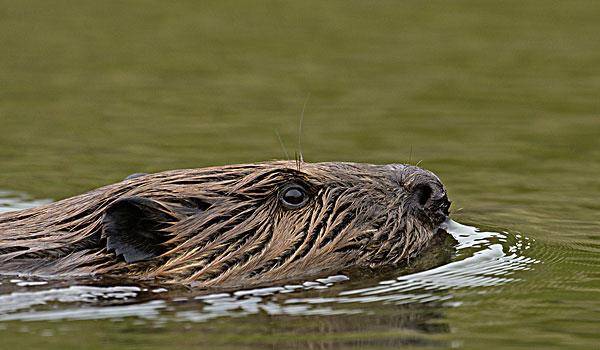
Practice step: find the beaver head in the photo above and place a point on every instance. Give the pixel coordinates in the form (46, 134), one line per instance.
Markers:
(233, 225)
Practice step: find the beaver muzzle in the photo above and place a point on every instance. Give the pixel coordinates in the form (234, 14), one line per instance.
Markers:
(428, 195)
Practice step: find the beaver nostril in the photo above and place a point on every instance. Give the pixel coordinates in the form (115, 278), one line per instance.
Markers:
(423, 193)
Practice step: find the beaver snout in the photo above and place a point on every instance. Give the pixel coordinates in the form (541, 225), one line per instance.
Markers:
(427, 192)
(432, 199)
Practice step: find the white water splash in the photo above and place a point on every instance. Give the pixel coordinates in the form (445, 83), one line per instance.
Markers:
(490, 265)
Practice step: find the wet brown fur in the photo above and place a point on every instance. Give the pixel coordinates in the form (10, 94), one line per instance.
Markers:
(227, 226)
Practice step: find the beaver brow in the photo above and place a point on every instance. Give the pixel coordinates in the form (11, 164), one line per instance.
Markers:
(270, 178)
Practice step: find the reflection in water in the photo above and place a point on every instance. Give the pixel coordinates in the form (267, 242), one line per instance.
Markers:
(481, 259)
(10, 200)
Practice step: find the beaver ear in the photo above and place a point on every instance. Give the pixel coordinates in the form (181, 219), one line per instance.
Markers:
(133, 228)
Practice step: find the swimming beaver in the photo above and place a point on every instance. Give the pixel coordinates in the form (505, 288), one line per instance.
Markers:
(236, 225)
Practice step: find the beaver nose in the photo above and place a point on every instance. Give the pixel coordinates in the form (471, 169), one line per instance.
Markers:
(423, 193)
(426, 190)
(431, 197)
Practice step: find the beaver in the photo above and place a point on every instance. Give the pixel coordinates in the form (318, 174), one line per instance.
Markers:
(234, 225)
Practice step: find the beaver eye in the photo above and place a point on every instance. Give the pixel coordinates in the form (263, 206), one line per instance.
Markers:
(293, 196)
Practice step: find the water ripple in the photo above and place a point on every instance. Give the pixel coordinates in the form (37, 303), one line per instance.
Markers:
(491, 265)
(481, 260)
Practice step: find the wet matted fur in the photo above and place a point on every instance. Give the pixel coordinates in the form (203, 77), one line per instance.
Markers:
(230, 225)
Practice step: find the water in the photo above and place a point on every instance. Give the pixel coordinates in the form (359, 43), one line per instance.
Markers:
(480, 260)
(499, 99)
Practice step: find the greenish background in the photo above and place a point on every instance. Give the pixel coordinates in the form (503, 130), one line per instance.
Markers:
(500, 98)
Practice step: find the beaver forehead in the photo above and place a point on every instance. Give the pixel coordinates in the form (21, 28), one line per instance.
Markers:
(261, 178)
(396, 175)
(338, 172)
